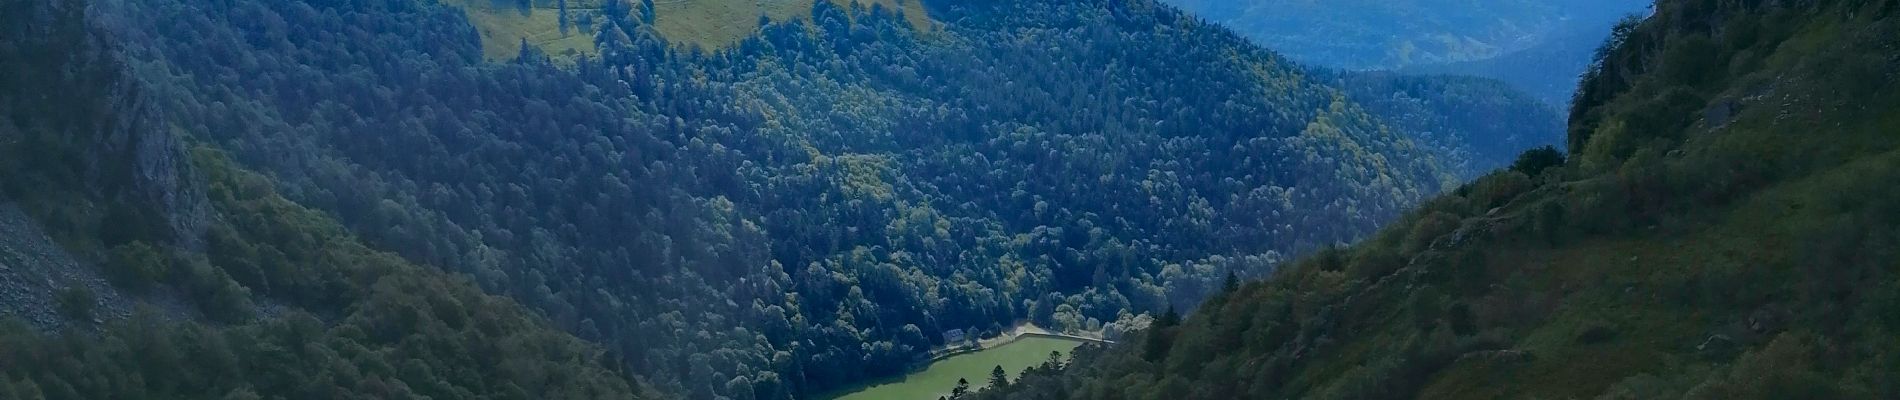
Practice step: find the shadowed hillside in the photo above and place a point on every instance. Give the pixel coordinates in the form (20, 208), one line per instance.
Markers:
(1717, 232)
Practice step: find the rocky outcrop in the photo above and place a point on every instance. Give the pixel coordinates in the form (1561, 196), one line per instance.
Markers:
(66, 96)
(159, 175)
(84, 141)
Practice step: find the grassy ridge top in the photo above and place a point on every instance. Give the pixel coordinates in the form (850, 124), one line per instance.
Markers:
(715, 24)
(709, 24)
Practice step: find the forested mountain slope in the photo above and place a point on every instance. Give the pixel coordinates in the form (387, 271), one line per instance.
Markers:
(806, 208)
(813, 206)
(1716, 233)
(1475, 124)
(87, 155)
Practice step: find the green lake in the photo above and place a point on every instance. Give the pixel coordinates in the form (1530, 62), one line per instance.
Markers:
(937, 379)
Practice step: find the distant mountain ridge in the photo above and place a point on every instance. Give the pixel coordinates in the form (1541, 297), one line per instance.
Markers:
(1359, 34)
(1541, 46)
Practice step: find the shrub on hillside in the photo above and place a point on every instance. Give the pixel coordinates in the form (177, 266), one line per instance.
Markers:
(216, 295)
(137, 266)
(1694, 60)
(1718, 179)
(1549, 222)
(1644, 181)
(1428, 230)
(1469, 272)
(76, 302)
(1497, 190)
(1375, 262)
(1785, 369)
(1533, 162)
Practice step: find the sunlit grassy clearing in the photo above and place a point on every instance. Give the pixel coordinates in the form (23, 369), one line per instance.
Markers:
(937, 379)
(709, 24)
(503, 29)
(714, 24)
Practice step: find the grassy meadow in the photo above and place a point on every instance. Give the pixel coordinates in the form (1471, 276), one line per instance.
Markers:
(709, 24)
(938, 378)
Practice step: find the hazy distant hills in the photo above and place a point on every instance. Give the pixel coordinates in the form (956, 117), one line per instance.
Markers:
(1538, 45)
(1368, 34)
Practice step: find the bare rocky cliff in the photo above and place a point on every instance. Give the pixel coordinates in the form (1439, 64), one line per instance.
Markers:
(88, 159)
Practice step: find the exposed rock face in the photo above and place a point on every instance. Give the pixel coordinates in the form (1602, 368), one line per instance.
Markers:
(136, 158)
(68, 101)
(160, 175)
(65, 94)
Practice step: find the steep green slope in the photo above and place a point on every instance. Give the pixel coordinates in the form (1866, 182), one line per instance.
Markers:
(1723, 230)
(283, 303)
(343, 321)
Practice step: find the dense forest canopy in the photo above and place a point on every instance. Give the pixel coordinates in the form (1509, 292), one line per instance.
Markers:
(351, 198)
